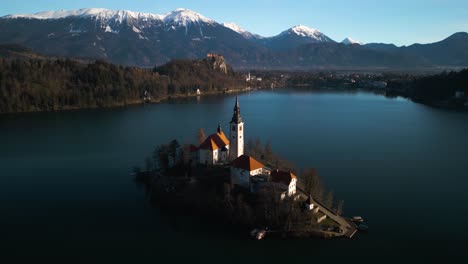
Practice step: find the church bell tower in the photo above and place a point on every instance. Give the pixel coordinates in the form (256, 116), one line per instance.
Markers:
(236, 134)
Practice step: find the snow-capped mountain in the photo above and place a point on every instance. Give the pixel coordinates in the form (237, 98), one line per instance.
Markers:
(246, 34)
(88, 12)
(296, 36)
(178, 18)
(144, 39)
(185, 17)
(126, 37)
(309, 33)
(350, 41)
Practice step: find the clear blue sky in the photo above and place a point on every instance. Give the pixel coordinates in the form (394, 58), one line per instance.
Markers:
(402, 22)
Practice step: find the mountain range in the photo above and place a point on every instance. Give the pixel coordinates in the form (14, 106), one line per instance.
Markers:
(144, 39)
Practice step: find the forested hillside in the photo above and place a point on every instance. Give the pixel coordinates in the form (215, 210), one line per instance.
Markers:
(38, 84)
(440, 86)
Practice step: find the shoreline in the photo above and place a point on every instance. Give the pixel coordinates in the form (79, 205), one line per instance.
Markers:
(137, 101)
(435, 104)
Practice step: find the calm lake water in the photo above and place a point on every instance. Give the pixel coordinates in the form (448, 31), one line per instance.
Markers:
(66, 193)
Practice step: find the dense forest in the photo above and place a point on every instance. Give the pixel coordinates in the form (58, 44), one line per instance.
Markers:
(46, 84)
(439, 87)
(187, 75)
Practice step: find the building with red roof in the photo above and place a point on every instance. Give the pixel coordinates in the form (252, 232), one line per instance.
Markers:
(219, 149)
(244, 167)
(215, 149)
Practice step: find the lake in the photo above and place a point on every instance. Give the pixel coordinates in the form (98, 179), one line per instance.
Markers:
(66, 192)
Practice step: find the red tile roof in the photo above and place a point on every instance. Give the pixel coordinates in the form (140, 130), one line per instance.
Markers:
(246, 163)
(215, 141)
(220, 139)
(209, 144)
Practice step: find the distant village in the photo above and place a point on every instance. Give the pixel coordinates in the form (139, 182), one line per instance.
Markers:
(224, 154)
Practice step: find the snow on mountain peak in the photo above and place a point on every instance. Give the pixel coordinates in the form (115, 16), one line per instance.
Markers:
(306, 32)
(180, 16)
(183, 17)
(350, 41)
(87, 12)
(233, 26)
(61, 13)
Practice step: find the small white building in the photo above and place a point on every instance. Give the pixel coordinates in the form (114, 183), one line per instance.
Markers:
(287, 179)
(242, 168)
(309, 203)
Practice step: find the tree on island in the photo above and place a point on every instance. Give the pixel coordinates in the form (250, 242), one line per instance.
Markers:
(161, 157)
(211, 193)
(310, 181)
(201, 135)
(339, 207)
(173, 149)
(265, 154)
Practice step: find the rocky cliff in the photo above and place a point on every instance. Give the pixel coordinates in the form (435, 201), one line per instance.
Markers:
(216, 62)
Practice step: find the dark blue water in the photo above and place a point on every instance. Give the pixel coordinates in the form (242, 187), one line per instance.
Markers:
(66, 193)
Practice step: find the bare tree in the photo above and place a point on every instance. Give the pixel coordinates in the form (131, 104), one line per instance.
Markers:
(312, 183)
(201, 136)
(329, 199)
(250, 147)
(339, 207)
(268, 152)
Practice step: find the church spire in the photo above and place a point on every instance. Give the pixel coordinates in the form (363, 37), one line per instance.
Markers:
(236, 118)
(236, 133)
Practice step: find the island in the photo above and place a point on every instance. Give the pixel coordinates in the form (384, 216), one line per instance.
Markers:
(259, 192)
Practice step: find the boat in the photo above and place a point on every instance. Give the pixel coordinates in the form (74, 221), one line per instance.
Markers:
(357, 219)
(260, 234)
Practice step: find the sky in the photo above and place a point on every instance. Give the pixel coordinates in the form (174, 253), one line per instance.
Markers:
(402, 22)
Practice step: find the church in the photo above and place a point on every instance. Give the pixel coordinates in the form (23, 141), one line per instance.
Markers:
(245, 171)
(218, 149)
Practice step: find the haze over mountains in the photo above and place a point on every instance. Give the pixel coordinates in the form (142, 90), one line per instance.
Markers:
(143, 39)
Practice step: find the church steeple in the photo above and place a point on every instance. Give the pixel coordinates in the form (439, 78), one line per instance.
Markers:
(236, 133)
(236, 117)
